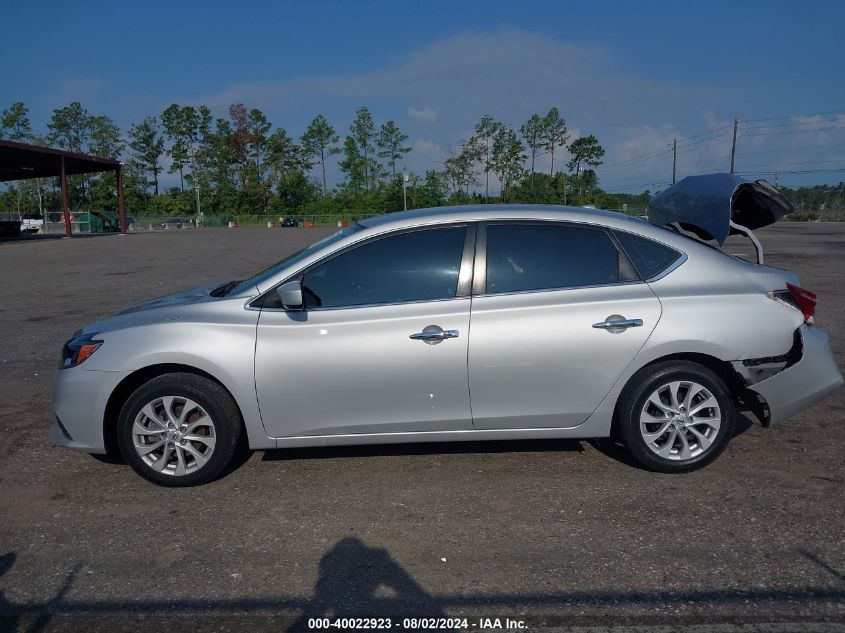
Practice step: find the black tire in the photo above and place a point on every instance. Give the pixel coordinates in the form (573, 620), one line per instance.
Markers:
(208, 394)
(642, 385)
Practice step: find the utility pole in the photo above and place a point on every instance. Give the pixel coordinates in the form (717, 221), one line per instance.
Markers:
(405, 189)
(199, 210)
(733, 146)
(564, 188)
(674, 157)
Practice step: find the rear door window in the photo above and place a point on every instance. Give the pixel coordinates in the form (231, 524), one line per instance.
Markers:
(523, 257)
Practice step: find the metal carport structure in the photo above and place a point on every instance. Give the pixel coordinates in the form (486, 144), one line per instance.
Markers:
(21, 161)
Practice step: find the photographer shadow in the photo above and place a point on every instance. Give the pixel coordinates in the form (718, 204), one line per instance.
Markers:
(8, 618)
(357, 581)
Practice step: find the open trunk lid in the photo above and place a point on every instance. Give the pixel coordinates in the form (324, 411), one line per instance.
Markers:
(715, 206)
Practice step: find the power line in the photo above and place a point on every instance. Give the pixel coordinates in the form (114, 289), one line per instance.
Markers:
(708, 141)
(712, 143)
(710, 137)
(638, 159)
(720, 128)
(768, 126)
(794, 124)
(684, 142)
(721, 134)
(637, 186)
(809, 121)
(793, 149)
(800, 171)
(636, 165)
(809, 162)
(822, 129)
(631, 182)
(793, 116)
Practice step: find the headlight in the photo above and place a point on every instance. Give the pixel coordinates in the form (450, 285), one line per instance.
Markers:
(78, 350)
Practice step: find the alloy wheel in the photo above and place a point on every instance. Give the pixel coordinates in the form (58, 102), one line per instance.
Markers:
(680, 420)
(173, 435)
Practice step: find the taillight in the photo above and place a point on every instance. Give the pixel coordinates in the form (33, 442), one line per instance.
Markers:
(804, 301)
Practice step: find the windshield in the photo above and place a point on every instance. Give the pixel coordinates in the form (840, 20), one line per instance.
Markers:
(257, 280)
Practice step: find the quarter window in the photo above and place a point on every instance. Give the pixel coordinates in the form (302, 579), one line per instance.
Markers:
(650, 258)
(524, 257)
(416, 266)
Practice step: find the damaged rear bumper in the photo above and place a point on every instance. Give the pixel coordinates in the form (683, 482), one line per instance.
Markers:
(803, 383)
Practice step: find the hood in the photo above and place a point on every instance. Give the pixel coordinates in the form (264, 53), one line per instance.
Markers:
(707, 205)
(184, 297)
(167, 308)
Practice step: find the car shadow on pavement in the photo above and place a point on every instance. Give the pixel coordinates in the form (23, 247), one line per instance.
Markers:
(356, 580)
(426, 448)
(606, 446)
(616, 451)
(241, 456)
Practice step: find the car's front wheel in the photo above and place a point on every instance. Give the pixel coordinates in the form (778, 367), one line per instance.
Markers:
(676, 416)
(179, 429)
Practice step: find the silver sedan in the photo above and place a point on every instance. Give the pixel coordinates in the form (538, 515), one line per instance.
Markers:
(465, 323)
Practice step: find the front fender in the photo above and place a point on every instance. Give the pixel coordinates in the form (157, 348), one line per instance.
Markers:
(223, 348)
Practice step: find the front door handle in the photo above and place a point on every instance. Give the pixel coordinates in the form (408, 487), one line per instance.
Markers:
(616, 323)
(433, 334)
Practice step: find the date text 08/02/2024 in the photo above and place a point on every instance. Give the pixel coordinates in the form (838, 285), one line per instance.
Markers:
(417, 623)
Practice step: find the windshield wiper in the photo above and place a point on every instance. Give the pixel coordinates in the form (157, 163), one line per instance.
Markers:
(225, 289)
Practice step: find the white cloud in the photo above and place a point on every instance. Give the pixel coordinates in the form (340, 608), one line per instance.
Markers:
(509, 74)
(427, 147)
(427, 154)
(427, 113)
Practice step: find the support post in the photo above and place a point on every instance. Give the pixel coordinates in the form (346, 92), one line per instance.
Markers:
(120, 210)
(63, 185)
(744, 230)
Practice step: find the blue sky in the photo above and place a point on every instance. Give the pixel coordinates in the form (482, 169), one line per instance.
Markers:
(635, 74)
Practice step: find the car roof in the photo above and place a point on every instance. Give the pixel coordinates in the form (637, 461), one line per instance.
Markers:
(399, 221)
(482, 212)
(528, 212)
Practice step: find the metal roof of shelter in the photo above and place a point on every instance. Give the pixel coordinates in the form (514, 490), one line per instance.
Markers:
(21, 161)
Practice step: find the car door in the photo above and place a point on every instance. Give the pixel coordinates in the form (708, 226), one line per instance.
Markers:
(381, 345)
(558, 313)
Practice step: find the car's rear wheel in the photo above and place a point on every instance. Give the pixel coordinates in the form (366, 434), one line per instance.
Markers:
(179, 429)
(676, 416)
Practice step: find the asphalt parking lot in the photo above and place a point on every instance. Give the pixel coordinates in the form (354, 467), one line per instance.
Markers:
(559, 533)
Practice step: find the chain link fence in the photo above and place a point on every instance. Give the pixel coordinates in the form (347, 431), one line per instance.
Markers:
(84, 222)
(159, 223)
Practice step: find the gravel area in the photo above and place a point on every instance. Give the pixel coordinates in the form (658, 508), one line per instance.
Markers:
(560, 534)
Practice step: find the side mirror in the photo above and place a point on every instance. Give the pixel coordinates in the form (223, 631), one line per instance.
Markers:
(291, 295)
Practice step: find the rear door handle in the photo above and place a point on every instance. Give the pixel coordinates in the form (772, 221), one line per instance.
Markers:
(616, 323)
(434, 334)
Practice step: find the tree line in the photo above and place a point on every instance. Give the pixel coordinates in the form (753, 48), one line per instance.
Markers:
(241, 164)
